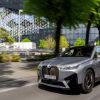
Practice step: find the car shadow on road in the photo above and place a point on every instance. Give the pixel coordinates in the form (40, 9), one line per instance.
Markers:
(97, 84)
(60, 91)
(5, 69)
(9, 82)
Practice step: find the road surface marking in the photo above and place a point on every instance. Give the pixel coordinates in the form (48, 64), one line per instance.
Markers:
(31, 84)
(10, 89)
(6, 90)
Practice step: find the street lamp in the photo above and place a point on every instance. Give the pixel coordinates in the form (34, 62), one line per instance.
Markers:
(19, 32)
(1, 22)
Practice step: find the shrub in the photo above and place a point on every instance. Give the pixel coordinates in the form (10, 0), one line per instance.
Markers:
(26, 40)
(9, 58)
(49, 43)
(5, 58)
(63, 42)
(79, 42)
(15, 58)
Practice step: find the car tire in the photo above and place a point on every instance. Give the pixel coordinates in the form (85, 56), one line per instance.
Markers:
(88, 82)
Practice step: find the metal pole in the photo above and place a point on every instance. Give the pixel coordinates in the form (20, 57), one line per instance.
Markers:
(19, 32)
(1, 22)
(19, 27)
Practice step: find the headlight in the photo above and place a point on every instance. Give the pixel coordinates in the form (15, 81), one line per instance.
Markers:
(40, 66)
(68, 67)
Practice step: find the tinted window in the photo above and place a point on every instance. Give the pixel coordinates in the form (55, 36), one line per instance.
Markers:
(78, 52)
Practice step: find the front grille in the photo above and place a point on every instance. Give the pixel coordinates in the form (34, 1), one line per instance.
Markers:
(51, 82)
(50, 71)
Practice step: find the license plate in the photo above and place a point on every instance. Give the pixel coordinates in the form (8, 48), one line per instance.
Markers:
(50, 76)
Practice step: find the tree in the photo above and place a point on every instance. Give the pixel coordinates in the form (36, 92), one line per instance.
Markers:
(4, 35)
(61, 12)
(9, 40)
(79, 42)
(40, 21)
(91, 16)
(93, 19)
(26, 40)
(48, 43)
(96, 12)
(63, 42)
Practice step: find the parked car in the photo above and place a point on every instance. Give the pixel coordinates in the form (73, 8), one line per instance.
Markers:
(76, 67)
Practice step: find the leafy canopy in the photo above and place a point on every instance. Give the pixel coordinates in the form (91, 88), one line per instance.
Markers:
(96, 12)
(53, 10)
(4, 35)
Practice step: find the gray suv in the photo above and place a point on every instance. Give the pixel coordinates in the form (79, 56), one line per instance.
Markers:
(76, 67)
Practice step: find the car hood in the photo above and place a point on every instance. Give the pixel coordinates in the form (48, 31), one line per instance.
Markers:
(61, 61)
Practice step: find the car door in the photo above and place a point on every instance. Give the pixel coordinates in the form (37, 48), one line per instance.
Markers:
(97, 61)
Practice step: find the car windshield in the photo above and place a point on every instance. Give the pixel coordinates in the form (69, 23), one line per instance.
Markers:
(78, 52)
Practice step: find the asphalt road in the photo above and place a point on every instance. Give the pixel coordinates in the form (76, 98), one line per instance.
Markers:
(32, 92)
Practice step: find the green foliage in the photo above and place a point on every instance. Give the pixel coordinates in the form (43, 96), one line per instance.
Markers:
(53, 10)
(61, 12)
(79, 42)
(4, 35)
(9, 58)
(98, 43)
(26, 40)
(5, 58)
(96, 12)
(63, 42)
(42, 44)
(10, 40)
(15, 58)
(49, 43)
(40, 21)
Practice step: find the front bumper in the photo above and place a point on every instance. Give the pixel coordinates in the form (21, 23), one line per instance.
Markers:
(68, 82)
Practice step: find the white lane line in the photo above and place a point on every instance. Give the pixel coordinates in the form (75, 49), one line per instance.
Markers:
(6, 90)
(10, 89)
(31, 84)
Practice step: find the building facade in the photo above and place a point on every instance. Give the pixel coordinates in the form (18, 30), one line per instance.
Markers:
(12, 4)
(21, 26)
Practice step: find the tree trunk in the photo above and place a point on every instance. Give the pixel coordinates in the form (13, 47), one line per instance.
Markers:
(99, 34)
(57, 36)
(88, 29)
(98, 26)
